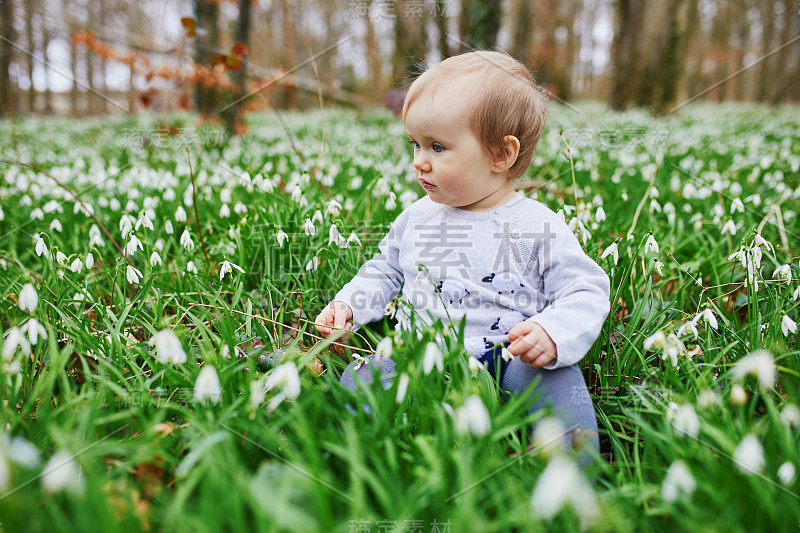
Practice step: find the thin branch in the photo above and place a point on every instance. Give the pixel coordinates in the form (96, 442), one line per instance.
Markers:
(196, 214)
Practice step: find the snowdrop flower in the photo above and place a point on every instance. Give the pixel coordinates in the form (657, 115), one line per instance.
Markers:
(749, 455)
(737, 205)
(796, 293)
(786, 473)
(432, 357)
(28, 298)
(190, 267)
(549, 436)
(688, 327)
(94, 237)
(402, 388)
(207, 385)
(600, 215)
(227, 266)
(186, 240)
(472, 417)
(659, 266)
(758, 240)
(473, 364)
(740, 256)
(224, 211)
(15, 339)
(37, 214)
(308, 227)
(61, 258)
(334, 237)
(686, 421)
(297, 194)
(651, 245)
(729, 227)
(155, 259)
(670, 345)
(788, 325)
(89, 261)
(133, 244)
(313, 263)
(783, 271)
(678, 482)
(240, 208)
(506, 355)
(360, 361)
(145, 221)
(353, 238)
(62, 473)
(390, 310)
(256, 394)
(35, 330)
(281, 237)
(317, 217)
(41, 247)
(180, 214)
(738, 395)
(790, 415)
(55, 225)
(125, 225)
(613, 251)
(561, 484)
(384, 348)
(332, 208)
(168, 347)
(707, 398)
(759, 363)
(708, 316)
(133, 274)
(286, 377)
(391, 202)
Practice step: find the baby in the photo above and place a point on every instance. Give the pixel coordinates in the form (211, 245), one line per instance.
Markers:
(474, 247)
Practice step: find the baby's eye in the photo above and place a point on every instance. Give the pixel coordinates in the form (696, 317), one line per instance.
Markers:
(415, 144)
(438, 148)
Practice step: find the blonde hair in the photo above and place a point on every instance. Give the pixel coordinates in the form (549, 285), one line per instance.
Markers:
(506, 101)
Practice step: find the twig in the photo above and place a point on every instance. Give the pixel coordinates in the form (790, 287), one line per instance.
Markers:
(641, 204)
(194, 201)
(85, 207)
(572, 166)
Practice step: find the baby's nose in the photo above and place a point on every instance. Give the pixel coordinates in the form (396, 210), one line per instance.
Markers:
(421, 163)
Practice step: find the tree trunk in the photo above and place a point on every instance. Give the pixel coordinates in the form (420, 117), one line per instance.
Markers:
(440, 16)
(671, 74)
(207, 41)
(6, 52)
(479, 23)
(780, 74)
(233, 114)
(290, 47)
(102, 13)
(373, 58)
(90, 64)
(410, 44)
(48, 95)
(522, 32)
(29, 5)
(542, 58)
(626, 52)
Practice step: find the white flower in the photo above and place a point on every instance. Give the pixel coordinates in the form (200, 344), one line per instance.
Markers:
(186, 240)
(737, 205)
(391, 202)
(240, 208)
(207, 385)
(786, 473)
(506, 355)
(678, 482)
(227, 266)
(37, 214)
(281, 237)
(168, 347)
(133, 244)
(759, 363)
(89, 261)
(133, 274)
(686, 421)
(784, 271)
(286, 377)
(61, 258)
(332, 208)
(126, 225)
(790, 415)
(313, 263)
(729, 228)
(651, 245)
(709, 317)
(309, 228)
(749, 455)
(738, 395)
(316, 217)
(41, 247)
(473, 364)
(707, 398)
(796, 293)
(168, 227)
(432, 357)
(613, 251)
(28, 298)
(561, 484)
(224, 211)
(548, 436)
(788, 325)
(256, 394)
(34, 330)
(190, 267)
(76, 265)
(472, 417)
(670, 344)
(659, 266)
(600, 215)
(180, 214)
(384, 348)
(334, 237)
(761, 241)
(155, 259)
(55, 225)
(390, 310)
(688, 327)
(402, 387)
(15, 339)
(19, 451)
(739, 256)
(63, 473)
(353, 238)
(94, 237)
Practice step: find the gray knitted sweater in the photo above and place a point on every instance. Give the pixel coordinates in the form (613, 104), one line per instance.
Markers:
(518, 261)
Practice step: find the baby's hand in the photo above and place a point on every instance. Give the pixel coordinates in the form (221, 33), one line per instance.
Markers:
(336, 316)
(532, 344)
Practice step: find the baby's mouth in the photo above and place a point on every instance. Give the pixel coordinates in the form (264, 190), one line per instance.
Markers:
(426, 184)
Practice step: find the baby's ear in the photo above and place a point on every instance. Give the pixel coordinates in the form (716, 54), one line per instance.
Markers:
(506, 156)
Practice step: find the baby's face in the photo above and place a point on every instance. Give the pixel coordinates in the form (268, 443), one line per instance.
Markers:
(449, 161)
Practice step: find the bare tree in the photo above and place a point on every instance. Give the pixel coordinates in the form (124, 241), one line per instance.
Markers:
(374, 61)
(626, 52)
(6, 53)
(232, 114)
(410, 42)
(206, 45)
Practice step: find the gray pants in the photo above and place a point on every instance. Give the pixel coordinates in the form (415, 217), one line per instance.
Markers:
(563, 388)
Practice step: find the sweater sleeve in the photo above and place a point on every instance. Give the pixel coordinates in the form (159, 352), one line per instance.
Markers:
(378, 280)
(577, 290)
